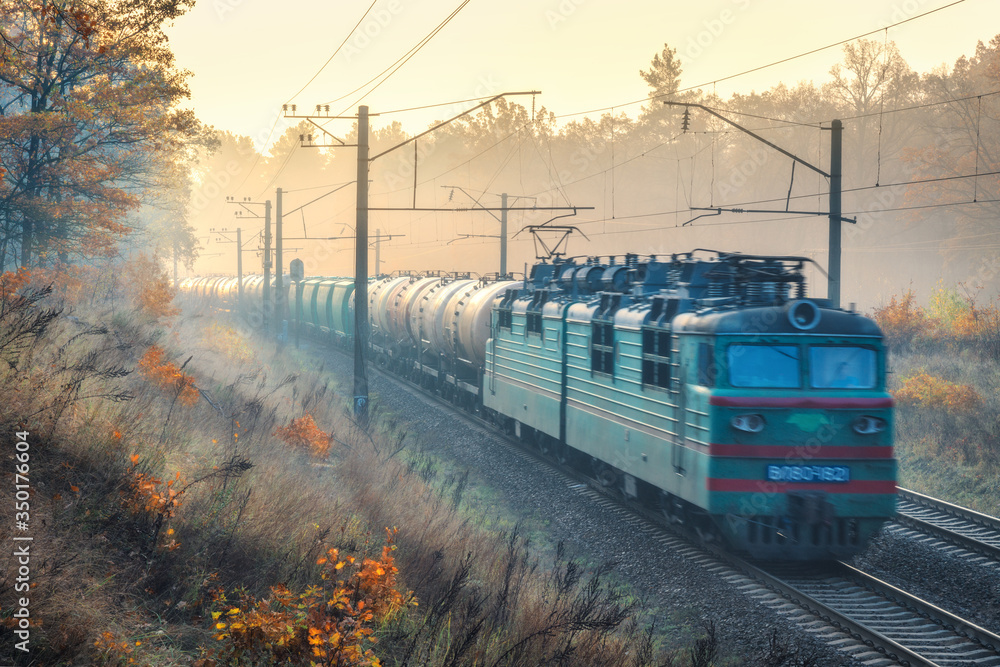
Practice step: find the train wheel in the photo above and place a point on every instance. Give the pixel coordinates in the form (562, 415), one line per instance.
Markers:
(543, 443)
(671, 508)
(605, 474)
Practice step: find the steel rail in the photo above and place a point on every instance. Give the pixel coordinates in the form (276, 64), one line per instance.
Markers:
(962, 536)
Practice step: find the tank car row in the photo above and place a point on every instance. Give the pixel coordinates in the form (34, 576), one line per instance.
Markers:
(705, 384)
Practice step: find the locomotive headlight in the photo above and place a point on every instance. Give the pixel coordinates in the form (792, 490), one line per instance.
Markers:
(868, 425)
(748, 423)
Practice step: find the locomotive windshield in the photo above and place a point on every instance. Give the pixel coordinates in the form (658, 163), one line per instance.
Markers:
(775, 366)
(841, 367)
(779, 366)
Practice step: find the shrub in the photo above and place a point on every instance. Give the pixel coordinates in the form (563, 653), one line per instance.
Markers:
(902, 320)
(330, 623)
(166, 375)
(928, 391)
(152, 291)
(304, 434)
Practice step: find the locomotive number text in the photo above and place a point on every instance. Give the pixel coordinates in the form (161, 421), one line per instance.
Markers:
(777, 473)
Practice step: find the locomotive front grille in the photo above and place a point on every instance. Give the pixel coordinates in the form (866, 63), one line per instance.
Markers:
(766, 530)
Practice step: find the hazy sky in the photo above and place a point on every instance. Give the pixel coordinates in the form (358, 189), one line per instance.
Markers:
(251, 56)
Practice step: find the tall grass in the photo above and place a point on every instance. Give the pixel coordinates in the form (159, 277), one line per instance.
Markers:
(178, 485)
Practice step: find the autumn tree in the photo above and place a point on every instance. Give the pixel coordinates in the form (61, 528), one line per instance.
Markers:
(873, 78)
(88, 94)
(961, 138)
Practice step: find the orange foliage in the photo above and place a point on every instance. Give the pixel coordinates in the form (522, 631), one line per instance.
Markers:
(148, 494)
(166, 375)
(902, 319)
(953, 318)
(304, 433)
(11, 282)
(927, 391)
(978, 321)
(153, 289)
(67, 280)
(327, 624)
(112, 651)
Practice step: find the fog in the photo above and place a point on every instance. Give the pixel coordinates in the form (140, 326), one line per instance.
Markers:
(919, 163)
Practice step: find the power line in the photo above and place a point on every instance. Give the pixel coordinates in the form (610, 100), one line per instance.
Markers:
(761, 67)
(797, 217)
(405, 58)
(347, 37)
(402, 60)
(431, 106)
(315, 187)
(922, 106)
(461, 164)
(867, 187)
(275, 123)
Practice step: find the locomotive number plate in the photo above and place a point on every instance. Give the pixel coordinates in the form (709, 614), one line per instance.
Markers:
(808, 473)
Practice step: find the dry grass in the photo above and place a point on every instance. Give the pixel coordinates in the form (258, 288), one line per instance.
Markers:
(129, 569)
(946, 450)
(945, 374)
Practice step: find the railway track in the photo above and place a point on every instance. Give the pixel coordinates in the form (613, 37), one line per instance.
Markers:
(869, 619)
(901, 627)
(964, 528)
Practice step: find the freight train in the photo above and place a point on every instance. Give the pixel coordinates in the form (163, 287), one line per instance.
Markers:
(705, 384)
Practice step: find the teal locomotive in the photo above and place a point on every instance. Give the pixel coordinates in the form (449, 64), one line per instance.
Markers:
(707, 385)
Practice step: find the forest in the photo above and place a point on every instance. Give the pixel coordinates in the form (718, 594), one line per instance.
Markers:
(101, 159)
(919, 165)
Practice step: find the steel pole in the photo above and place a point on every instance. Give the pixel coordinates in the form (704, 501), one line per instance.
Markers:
(239, 268)
(833, 286)
(503, 234)
(279, 296)
(267, 263)
(361, 273)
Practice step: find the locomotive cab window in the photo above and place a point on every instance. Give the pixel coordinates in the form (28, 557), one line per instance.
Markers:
(768, 366)
(843, 367)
